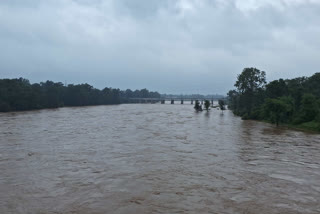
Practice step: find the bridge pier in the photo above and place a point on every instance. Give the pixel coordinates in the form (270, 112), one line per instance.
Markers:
(163, 101)
(191, 102)
(181, 101)
(172, 101)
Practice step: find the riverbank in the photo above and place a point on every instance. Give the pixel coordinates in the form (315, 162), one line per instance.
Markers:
(21, 95)
(309, 126)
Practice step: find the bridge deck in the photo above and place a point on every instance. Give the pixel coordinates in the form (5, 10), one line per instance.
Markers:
(175, 99)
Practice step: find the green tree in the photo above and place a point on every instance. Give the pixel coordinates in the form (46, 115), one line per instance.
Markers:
(250, 84)
(276, 110)
(312, 85)
(276, 88)
(293, 101)
(221, 105)
(250, 80)
(296, 89)
(233, 100)
(309, 108)
(197, 106)
(207, 104)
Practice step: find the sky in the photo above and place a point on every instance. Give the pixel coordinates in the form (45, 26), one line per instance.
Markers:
(171, 46)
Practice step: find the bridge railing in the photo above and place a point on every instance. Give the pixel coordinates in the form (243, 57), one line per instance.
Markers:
(171, 100)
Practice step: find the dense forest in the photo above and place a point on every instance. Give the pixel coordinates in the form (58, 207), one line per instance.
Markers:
(19, 95)
(294, 102)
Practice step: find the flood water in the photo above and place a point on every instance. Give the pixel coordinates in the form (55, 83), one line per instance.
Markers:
(153, 158)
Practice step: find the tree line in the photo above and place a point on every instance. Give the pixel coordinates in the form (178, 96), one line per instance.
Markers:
(19, 95)
(290, 101)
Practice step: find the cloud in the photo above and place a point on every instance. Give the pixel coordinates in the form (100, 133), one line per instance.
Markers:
(182, 46)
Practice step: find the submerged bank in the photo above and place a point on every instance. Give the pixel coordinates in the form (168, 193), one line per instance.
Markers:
(308, 127)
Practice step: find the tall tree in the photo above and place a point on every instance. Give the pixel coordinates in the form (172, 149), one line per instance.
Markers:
(221, 105)
(276, 88)
(309, 108)
(207, 104)
(276, 110)
(249, 85)
(197, 106)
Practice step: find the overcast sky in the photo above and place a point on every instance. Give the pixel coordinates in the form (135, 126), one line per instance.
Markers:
(182, 46)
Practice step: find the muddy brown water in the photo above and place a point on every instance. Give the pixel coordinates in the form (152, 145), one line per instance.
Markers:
(153, 158)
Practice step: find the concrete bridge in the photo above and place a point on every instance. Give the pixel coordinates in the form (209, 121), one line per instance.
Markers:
(163, 100)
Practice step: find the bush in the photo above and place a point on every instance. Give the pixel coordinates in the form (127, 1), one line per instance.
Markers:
(245, 116)
(257, 114)
(309, 108)
(315, 126)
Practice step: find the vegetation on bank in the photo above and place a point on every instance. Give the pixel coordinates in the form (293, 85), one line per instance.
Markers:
(295, 102)
(20, 95)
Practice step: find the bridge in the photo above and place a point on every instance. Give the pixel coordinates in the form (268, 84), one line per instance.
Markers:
(172, 100)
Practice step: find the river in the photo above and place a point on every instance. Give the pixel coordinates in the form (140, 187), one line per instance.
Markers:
(153, 158)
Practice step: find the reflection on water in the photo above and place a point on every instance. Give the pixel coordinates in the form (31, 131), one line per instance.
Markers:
(154, 159)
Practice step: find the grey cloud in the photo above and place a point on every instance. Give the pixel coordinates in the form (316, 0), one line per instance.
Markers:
(183, 46)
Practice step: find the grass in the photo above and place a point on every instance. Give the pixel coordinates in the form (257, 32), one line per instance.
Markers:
(310, 126)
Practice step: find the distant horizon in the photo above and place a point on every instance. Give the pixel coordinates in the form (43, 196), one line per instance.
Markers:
(152, 89)
(169, 94)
